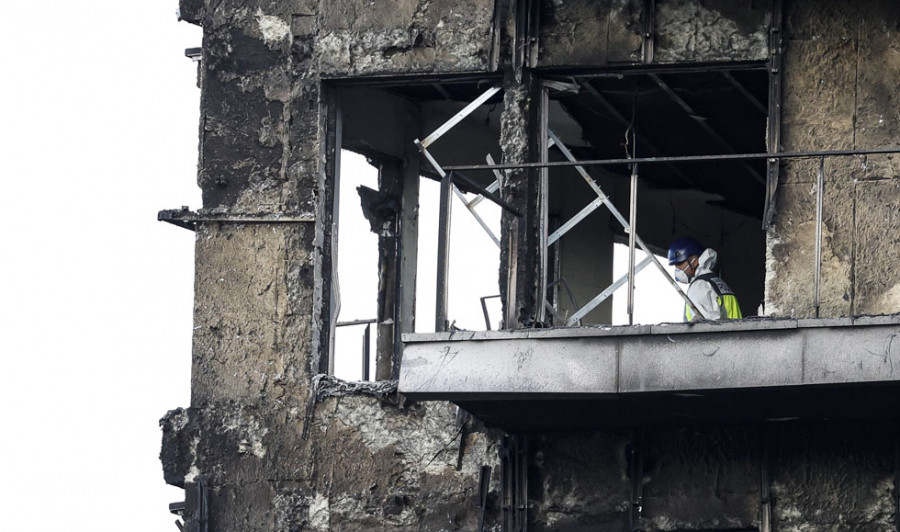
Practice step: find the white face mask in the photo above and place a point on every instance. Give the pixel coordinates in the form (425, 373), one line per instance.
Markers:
(682, 277)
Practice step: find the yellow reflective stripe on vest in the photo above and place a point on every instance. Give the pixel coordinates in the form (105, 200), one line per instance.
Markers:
(732, 309)
(728, 302)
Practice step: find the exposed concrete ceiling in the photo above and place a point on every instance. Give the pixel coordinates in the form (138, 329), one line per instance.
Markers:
(679, 114)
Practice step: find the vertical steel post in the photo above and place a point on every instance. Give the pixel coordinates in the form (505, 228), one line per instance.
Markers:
(506, 492)
(407, 249)
(512, 312)
(520, 483)
(543, 192)
(636, 470)
(443, 260)
(335, 229)
(366, 351)
(820, 192)
(632, 222)
(765, 501)
(648, 28)
(327, 295)
(773, 133)
(484, 488)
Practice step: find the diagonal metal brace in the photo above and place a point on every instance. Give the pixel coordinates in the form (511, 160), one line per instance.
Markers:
(618, 216)
(458, 117)
(604, 295)
(444, 175)
(460, 178)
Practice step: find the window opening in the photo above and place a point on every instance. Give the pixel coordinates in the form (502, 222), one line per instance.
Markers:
(654, 301)
(378, 265)
(474, 263)
(450, 189)
(357, 278)
(617, 115)
(588, 116)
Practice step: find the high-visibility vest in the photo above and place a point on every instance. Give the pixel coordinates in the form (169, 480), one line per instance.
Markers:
(728, 303)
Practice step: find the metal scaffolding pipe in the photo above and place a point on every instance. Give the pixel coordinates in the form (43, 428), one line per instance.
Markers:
(820, 192)
(632, 215)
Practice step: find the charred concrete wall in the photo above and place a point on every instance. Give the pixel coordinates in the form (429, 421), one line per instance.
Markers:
(357, 464)
(840, 77)
(266, 445)
(608, 32)
(262, 447)
(816, 476)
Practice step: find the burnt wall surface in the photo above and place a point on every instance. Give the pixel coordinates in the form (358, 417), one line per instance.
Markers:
(262, 446)
(370, 465)
(267, 445)
(841, 71)
(609, 32)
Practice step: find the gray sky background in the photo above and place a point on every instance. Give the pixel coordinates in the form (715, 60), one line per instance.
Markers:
(99, 113)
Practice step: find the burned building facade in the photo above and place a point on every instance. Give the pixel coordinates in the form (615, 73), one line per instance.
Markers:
(767, 129)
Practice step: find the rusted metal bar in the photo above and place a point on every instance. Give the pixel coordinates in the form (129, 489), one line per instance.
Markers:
(485, 192)
(477, 216)
(493, 187)
(543, 200)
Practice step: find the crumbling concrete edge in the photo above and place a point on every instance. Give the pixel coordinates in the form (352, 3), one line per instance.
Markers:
(324, 385)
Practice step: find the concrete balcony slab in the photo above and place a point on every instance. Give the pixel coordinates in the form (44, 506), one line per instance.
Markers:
(744, 370)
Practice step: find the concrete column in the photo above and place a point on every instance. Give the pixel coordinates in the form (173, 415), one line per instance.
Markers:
(520, 256)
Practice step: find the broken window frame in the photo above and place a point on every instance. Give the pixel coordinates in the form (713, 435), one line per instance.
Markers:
(328, 290)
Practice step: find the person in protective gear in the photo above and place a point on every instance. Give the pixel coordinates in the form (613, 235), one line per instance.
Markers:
(696, 267)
